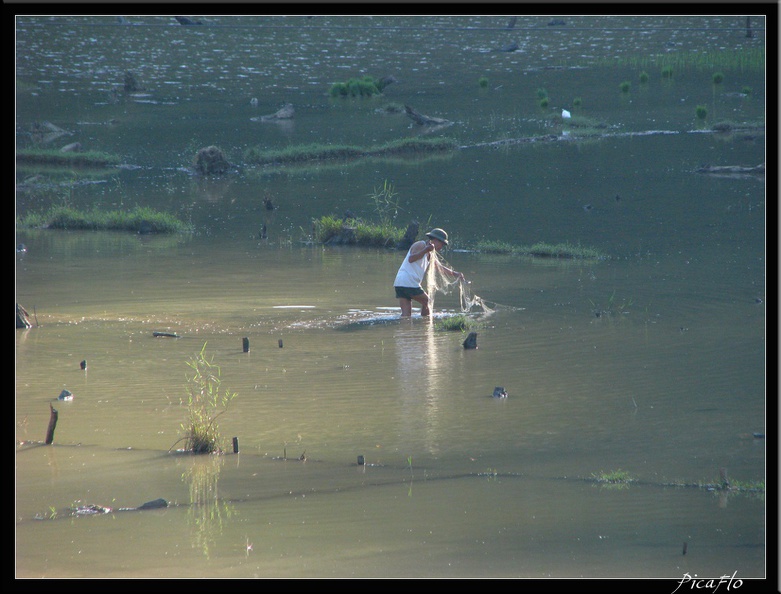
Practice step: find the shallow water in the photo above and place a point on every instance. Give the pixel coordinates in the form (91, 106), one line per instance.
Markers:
(651, 361)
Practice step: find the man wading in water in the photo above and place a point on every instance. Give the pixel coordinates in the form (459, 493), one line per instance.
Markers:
(413, 269)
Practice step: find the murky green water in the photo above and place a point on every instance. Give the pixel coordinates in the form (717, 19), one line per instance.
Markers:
(667, 383)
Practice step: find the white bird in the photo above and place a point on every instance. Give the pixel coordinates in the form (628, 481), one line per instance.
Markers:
(565, 114)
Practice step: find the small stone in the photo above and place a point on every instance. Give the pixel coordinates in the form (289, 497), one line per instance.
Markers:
(500, 392)
(65, 395)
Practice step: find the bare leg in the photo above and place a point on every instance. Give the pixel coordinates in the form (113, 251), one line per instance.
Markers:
(406, 307)
(423, 300)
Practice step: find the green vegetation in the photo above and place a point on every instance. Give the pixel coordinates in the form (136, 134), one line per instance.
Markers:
(483, 82)
(613, 306)
(384, 234)
(613, 477)
(577, 102)
(544, 102)
(702, 112)
(718, 78)
(385, 202)
(206, 400)
(625, 86)
(643, 77)
(58, 158)
(138, 220)
(543, 250)
(743, 60)
(320, 152)
(584, 127)
(358, 231)
(367, 86)
(621, 478)
(459, 322)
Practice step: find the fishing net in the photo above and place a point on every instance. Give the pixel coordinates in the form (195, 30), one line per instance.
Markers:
(438, 281)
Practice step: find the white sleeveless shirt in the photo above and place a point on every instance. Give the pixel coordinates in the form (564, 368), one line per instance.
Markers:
(411, 274)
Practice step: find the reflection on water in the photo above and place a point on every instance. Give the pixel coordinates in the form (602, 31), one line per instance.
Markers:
(420, 365)
(207, 510)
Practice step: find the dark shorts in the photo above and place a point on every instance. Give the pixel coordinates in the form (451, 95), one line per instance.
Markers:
(408, 292)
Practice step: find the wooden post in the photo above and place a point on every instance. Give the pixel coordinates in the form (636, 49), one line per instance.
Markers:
(245, 343)
(235, 445)
(52, 424)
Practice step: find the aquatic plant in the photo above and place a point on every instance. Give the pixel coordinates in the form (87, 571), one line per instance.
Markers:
(366, 86)
(54, 157)
(459, 322)
(643, 77)
(743, 59)
(206, 401)
(296, 155)
(613, 477)
(577, 102)
(483, 82)
(702, 112)
(140, 219)
(718, 78)
(545, 250)
(625, 86)
(386, 203)
(360, 232)
(544, 102)
(612, 307)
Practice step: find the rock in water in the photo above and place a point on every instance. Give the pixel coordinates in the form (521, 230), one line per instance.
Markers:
(500, 392)
(471, 341)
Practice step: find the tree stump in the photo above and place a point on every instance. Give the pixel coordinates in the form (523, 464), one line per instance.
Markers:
(471, 341)
(410, 235)
(22, 317)
(52, 425)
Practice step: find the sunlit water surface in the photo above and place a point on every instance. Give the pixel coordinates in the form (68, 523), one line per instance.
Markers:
(651, 361)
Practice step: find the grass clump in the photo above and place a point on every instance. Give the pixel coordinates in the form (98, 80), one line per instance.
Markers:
(206, 400)
(333, 229)
(138, 220)
(296, 155)
(541, 250)
(58, 158)
(460, 322)
(613, 477)
(483, 82)
(702, 112)
(366, 86)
